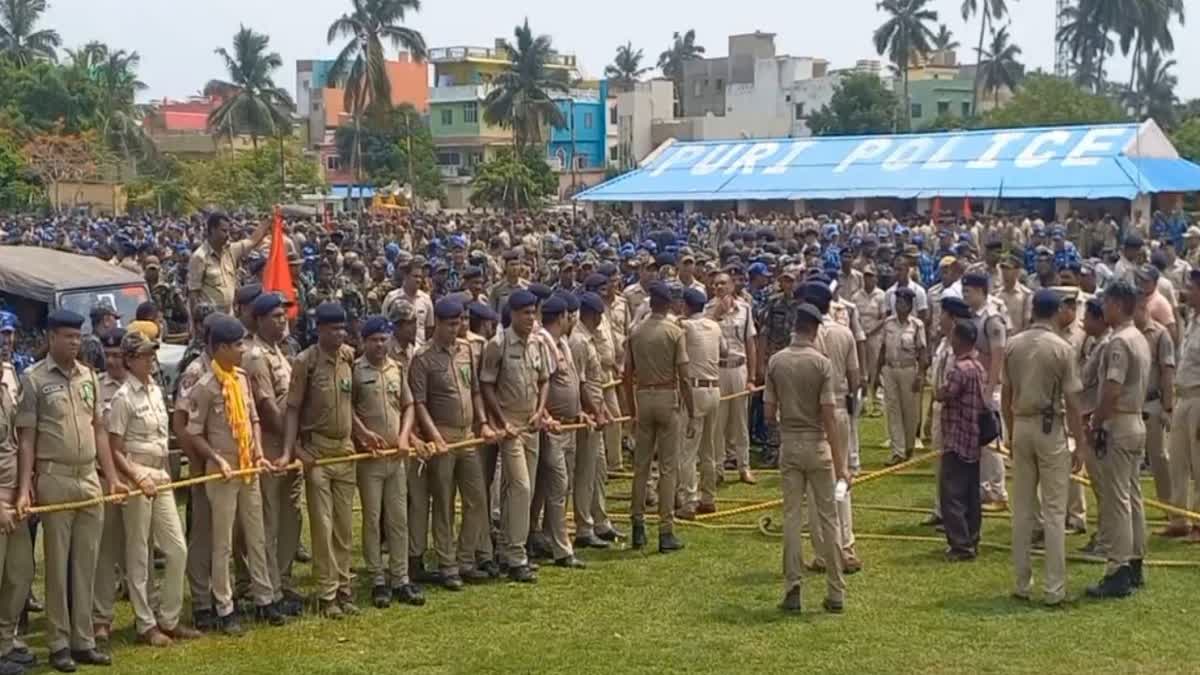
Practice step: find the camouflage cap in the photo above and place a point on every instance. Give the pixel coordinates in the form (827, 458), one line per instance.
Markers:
(135, 342)
(402, 310)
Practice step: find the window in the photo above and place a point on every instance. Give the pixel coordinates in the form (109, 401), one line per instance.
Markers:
(587, 120)
(916, 110)
(316, 106)
(966, 109)
(471, 112)
(943, 107)
(447, 117)
(720, 85)
(697, 88)
(449, 158)
(799, 110)
(612, 115)
(581, 161)
(333, 163)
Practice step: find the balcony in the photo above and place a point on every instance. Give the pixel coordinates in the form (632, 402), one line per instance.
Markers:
(464, 53)
(458, 93)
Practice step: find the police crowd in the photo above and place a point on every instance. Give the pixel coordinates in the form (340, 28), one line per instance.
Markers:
(512, 363)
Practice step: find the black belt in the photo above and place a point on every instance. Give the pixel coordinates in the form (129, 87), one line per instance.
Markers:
(706, 384)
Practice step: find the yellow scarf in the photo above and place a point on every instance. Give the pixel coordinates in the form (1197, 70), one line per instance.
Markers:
(236, 412)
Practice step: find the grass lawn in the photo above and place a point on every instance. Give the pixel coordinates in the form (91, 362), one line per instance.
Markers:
(712, 608)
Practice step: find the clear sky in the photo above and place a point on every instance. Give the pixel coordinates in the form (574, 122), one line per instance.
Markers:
(176, 38)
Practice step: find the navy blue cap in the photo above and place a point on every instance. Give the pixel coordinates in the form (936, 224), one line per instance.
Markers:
(521, 298)
(975, 280)
(595, 280)
(591, 302)
(542, 291)
(265, 304)
(1046, 301)
(225, 329)
(664, 259)
(448, 308)
(64, 318)
(814, 292)
(112, 339)
(554, 306)
(607, 269)
(694, 298)
(480, 311)
(906, 293)
(375, 325)
(659, 291)
(956, 307)
(472, 272)
(569, 298)
(330, 312)
(246, 294)
(1134, 241)
(807, 311)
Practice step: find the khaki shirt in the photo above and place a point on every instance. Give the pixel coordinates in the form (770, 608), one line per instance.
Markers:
(737, 327)
(618, 316)
(444, 380)
(380, 396)
(1018, 304)
(563, 400)
(658, 346)
(8, 429)
(321, 388)
(270, 374)
(846, 314)
(517, 368)
(138, 414)
(498, 296)
(62, 408)
(215, 275)
(799, 381)
(1188, 373)
(401, 355)
(587, 364)
(476, 342)
(1126, 361)
(837, 344)
(902, 342)
(1088, 358)
(1040, 367)
(207, 416)
(635, 295)
(108, 388)
(872, 310)
(1162, 353)
(849, 284)
(705, 344)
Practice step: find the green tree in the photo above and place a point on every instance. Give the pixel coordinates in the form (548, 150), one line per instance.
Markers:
(1186, 139)
(998, 66)
(119, 120)
(944, 40)
(670, 62)
(1086, 38)
(902, 36)
(511, 182)
(43, 96)
(988, 11)
(521, 96)
(626, 68)
(385, 146)
(860, 105)
(20, 41)
(1150, 33)
(1045, 100)
(255, 104)
(250, 179)
(1154, 95)
(17, 189)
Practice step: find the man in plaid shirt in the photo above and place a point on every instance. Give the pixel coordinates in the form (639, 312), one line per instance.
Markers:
(961, 396)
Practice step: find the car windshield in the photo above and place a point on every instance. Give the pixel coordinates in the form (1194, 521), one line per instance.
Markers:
(124, 298)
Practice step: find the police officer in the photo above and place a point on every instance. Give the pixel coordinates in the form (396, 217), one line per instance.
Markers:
(1160, 397)
(1087, 357)
(738, 373)
(656, 368)
(776, 318)
(587, 467)
(1039, 374)
(110, 564)
(1120, 435)
(16, 546)
(992, 332)
(512, 281)
(705, 346)
(481, 325)
(410, 290)
(514, 379)
(799, 391)
(383, 419)
(617, 316)
(872, 312)
(902, 372)
(212, 269)
(62, 437)
(1016, 296)
(1185, 446)
(318, 426)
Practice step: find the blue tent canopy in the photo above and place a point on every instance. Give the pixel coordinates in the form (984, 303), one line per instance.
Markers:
(1080, 162)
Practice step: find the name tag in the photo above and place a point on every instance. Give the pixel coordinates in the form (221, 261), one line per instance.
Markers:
(53, 388)
(370, 381)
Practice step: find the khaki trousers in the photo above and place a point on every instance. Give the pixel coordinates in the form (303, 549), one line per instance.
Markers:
(1185, 457)
(1157, 451)
(110, 565)
(1091, 465)
(806, 468)
(843, 509)
(383, 492)
(586, 476)
(330, 492)
(658, 435)
(991, 467)
(199, 556)
(554, 482)
(1122, 516)
(612, 432)
(518, 471)
(874, 343)
(901, 408)
(281, 525)
(1076, 499)
(1041, 463)
(417, 475)
(935, 437)
(151, 522)
(733, 419)
(489, 467)
(71, 547)
(16, 577)
(698, 443)
(459, 470)
(237, 504)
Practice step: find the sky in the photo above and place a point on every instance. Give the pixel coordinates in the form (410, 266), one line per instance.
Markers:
(176, 39)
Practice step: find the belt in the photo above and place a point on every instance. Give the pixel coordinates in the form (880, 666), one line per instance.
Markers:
(69, 470)
(903, 364)
(735, 362)
(328, 442)
(706, 384)
(665, 386)
(147, 460)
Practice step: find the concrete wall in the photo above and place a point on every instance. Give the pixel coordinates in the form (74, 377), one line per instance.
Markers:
(636, 112)
(704, 83)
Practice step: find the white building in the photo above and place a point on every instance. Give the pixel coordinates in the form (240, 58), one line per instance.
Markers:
(637, 111)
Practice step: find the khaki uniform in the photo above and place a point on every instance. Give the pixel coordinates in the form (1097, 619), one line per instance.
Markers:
(1040, 368)
(444, 381)
(799, 381)
(564, 403)
(586, 466)
(1162, 355)
(837, 344)
(992, 333)
(215, 275)
(62, 409)
(705, 344)
(489, 464)
(902, 345)
(138, 414)
(422, 306)
(381, 395)
(872, 312)
(733, 423)
(498, 295)
(846, 314)
(610, 338)
(1087, 356)
(1018, 304)
(321, 390)
(199, 531)
(517, 368)
(110, 566)
(16, 548)
(657, 346)
(1185, 444)
(233, 504)
(270, 374)
(1126, 361)
(636, 296)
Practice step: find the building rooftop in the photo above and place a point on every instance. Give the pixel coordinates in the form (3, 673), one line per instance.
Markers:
(496, 54)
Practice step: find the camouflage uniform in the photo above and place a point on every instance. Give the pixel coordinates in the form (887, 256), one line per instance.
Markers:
(777, 316)
(375, 295)
(172, 305)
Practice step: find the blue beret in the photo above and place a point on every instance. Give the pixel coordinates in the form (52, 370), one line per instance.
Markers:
(520, 299)
(956, 307)
(595, 280)
(607, 269)
(807, 311)
(246, 294)
(570, 299)
(448, 308)
(482, 312)
(375, 325)
(975, 280)
(591, 302)
(1046, 300)
(814, 292)
(906, 293)
(694, 298)
(758, 269)
(542, 291)
(658, 290)
(664, 259)
(472, 272)
(554, 306)
(112, 338)
(64, 318)
(265, 304)
(225, 329)
(9, 321)
(330, 312)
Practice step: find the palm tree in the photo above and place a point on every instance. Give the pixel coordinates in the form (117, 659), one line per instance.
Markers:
(1155, 95)
(998, 66)
(944, 40)
(903, 35)
(670, 62)
(1088, 42)
(120, 121)
(88, 57)
(1150, 31)
(254, 104)
(520, 97)
(626, 68)
(988, 10)
(19, 42)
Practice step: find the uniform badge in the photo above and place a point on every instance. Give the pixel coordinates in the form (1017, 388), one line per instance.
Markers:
(344, 385)
(88, 392)
(393, 388)
(464, 373)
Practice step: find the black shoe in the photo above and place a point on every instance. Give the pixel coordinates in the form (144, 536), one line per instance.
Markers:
(1136, 579)
(491, 568)
(160, 560)
(833, 606)
(932, 520)
(1039, 540)
(730, 465)
(409, 594)
(21, 656)
(381, 597)
(416, 570)
(452, 582)
(610, 535)
(91, 657)
(302, 555)
(205, 620)
(791, 601)
(11, 668)
(669, 542)
(62, 662)
(290, 606)
(537, 549)
(1115, 585)
(590, 541)
(570, 562)
(270, 614)
(639, 535)
(522, 574)
(229, 624)
(474, 575)
(32, 604)
(346, 604)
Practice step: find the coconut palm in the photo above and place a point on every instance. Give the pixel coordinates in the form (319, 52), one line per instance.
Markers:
(88, 57)
(254, 103)
(19, 41)
(521, 97)
(1155, 94)
(988, 10)
(1151, 32)
(998, 66)
(1088, 42)
(120, 121)
(903, 35)
(670, 62)
(362, 64)
(944, 39)
(626, 68)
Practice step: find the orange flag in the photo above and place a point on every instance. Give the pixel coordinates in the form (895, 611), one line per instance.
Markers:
(277, 276)
(967, 208)
(937, 209)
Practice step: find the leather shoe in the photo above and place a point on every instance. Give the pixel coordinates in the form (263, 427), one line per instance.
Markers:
(570, 562)
(791, 601)
(703, 508)
(639, 536)
(611, 534)
(181, 632)
(270, 613)
(91, 657)
(522, 575)
(452, 582)
(1174, 531)
(1115, 585)
(62, 662)
(668, 543)
(205, 620)
(815, 566)
(381, 597)
(686, 513)
(590, 541)
(833, 606)
(747, 477)
(409, 594)
(11, 668)
(474, 575)
(852, 566)
(1136, 579)
(155, 638)
(229, 624)
(490, 568)
(21, 656)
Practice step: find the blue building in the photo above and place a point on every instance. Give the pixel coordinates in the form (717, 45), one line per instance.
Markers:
(583, 143)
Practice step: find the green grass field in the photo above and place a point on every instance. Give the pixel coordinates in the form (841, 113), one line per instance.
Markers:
(712, 608)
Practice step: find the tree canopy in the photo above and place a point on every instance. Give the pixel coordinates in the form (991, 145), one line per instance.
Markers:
(860, 105)
(1047, 100)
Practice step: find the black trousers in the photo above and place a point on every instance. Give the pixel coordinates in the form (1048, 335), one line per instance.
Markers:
(960, 502)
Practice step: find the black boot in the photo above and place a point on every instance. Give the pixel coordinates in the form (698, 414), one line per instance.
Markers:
(791, 601)
(1136, 579)
(1115, 585)
(668, 543)
(639, 534)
